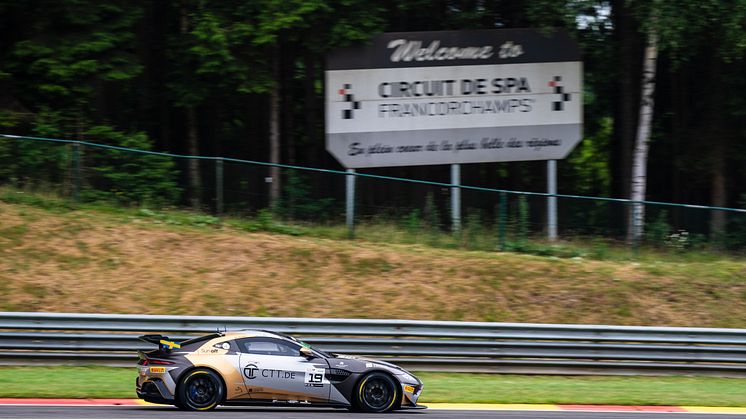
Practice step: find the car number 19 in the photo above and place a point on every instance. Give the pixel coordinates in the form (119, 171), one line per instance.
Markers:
(315, 376)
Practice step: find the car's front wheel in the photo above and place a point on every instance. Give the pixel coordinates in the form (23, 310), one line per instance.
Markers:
(377, 392)
(200, 389)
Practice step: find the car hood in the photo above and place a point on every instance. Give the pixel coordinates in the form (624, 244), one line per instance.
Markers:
(369, 360)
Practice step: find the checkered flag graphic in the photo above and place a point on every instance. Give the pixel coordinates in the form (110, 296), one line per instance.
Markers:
(559, 105)
(349, 98)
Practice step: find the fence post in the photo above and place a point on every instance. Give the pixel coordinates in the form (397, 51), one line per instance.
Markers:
(219, 187)
(350, 203)
(76, 170)
(635, 217)
(503, 211)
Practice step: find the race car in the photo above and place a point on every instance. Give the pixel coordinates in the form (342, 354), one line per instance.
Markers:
(254, 367)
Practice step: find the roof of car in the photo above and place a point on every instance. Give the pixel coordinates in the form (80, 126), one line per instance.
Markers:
(249, 333)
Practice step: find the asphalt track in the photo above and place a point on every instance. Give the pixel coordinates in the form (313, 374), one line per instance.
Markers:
(127, 412)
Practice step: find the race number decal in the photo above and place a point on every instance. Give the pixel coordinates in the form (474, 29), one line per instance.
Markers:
(315, 377)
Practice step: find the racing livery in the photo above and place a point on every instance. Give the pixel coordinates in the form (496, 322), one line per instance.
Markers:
(253, 367)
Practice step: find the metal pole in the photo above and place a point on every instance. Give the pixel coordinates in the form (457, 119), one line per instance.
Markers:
(502, 218)
(76, 171)
(552, 200)
(455, 198)
(219, 187)
(350, 203)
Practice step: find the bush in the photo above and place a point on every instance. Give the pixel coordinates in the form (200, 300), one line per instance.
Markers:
(659, 232)
(127, 177)
(297, 202)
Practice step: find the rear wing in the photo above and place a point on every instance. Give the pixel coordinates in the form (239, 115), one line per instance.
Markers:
(163, 342)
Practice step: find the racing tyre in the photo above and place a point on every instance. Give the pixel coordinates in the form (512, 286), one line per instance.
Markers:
(200, 389)
(376, 393)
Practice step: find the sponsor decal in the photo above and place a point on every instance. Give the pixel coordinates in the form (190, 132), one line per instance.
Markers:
(226, 346)
(249, 371)
(285, 375)
(368, 365)
(409, 389)
(157, 370)
(169, 344)
(342, 364)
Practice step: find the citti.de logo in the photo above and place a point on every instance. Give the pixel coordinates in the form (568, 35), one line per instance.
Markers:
(346, 93)
(249, 371)
(559, 105)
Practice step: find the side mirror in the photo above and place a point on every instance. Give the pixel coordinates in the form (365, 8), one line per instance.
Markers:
(307, 352)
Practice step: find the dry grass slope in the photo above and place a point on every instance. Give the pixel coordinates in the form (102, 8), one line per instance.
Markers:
(90, 261)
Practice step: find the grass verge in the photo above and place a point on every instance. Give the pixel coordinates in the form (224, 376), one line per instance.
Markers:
(85, 259)
(622, 390)
(107, 382)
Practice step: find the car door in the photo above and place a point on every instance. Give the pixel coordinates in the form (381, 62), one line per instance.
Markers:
(274, 370)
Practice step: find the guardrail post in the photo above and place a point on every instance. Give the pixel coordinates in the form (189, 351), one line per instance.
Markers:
(219, 187)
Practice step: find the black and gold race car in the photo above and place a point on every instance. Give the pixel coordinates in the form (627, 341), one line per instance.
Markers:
(252, 367)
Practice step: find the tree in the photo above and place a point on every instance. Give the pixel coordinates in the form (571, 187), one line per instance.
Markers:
(640, 155)
(679, 29)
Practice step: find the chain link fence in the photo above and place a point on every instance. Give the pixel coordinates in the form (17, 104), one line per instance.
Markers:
(387, 209)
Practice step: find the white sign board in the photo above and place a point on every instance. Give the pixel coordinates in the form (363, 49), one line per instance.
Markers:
(421, 98)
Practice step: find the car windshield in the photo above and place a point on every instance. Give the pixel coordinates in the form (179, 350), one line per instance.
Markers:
(305, 345)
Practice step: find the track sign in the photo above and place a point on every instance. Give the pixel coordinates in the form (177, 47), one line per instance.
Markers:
(419, 98)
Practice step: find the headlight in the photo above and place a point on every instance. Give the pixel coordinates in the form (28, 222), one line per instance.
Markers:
(408, 377)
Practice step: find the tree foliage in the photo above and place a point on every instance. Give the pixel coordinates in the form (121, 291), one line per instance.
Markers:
(122, 72)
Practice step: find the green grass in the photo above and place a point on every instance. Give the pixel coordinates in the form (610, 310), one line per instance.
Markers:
(67, 382)
(493, 388)
(109, 382)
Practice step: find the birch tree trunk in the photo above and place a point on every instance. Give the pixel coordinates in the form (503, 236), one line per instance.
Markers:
(274, 132)
(640, 154)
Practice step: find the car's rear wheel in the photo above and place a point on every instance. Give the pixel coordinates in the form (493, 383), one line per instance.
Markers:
(200, 389)
(377, 392)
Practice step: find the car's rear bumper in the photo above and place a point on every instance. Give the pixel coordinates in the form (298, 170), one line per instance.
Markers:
(154, 391)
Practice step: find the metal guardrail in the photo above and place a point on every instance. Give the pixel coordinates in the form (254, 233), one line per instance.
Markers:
(63, 338)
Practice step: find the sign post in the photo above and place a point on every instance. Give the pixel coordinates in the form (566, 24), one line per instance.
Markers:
(350, 203)
(454, 97)
(456, 198)
(552, 200)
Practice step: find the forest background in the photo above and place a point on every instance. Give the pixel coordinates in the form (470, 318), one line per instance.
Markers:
(245, 79)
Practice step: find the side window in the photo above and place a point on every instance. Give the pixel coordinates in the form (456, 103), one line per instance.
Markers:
(268, 346)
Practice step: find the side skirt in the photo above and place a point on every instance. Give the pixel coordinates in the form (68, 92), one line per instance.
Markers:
(249, 402)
